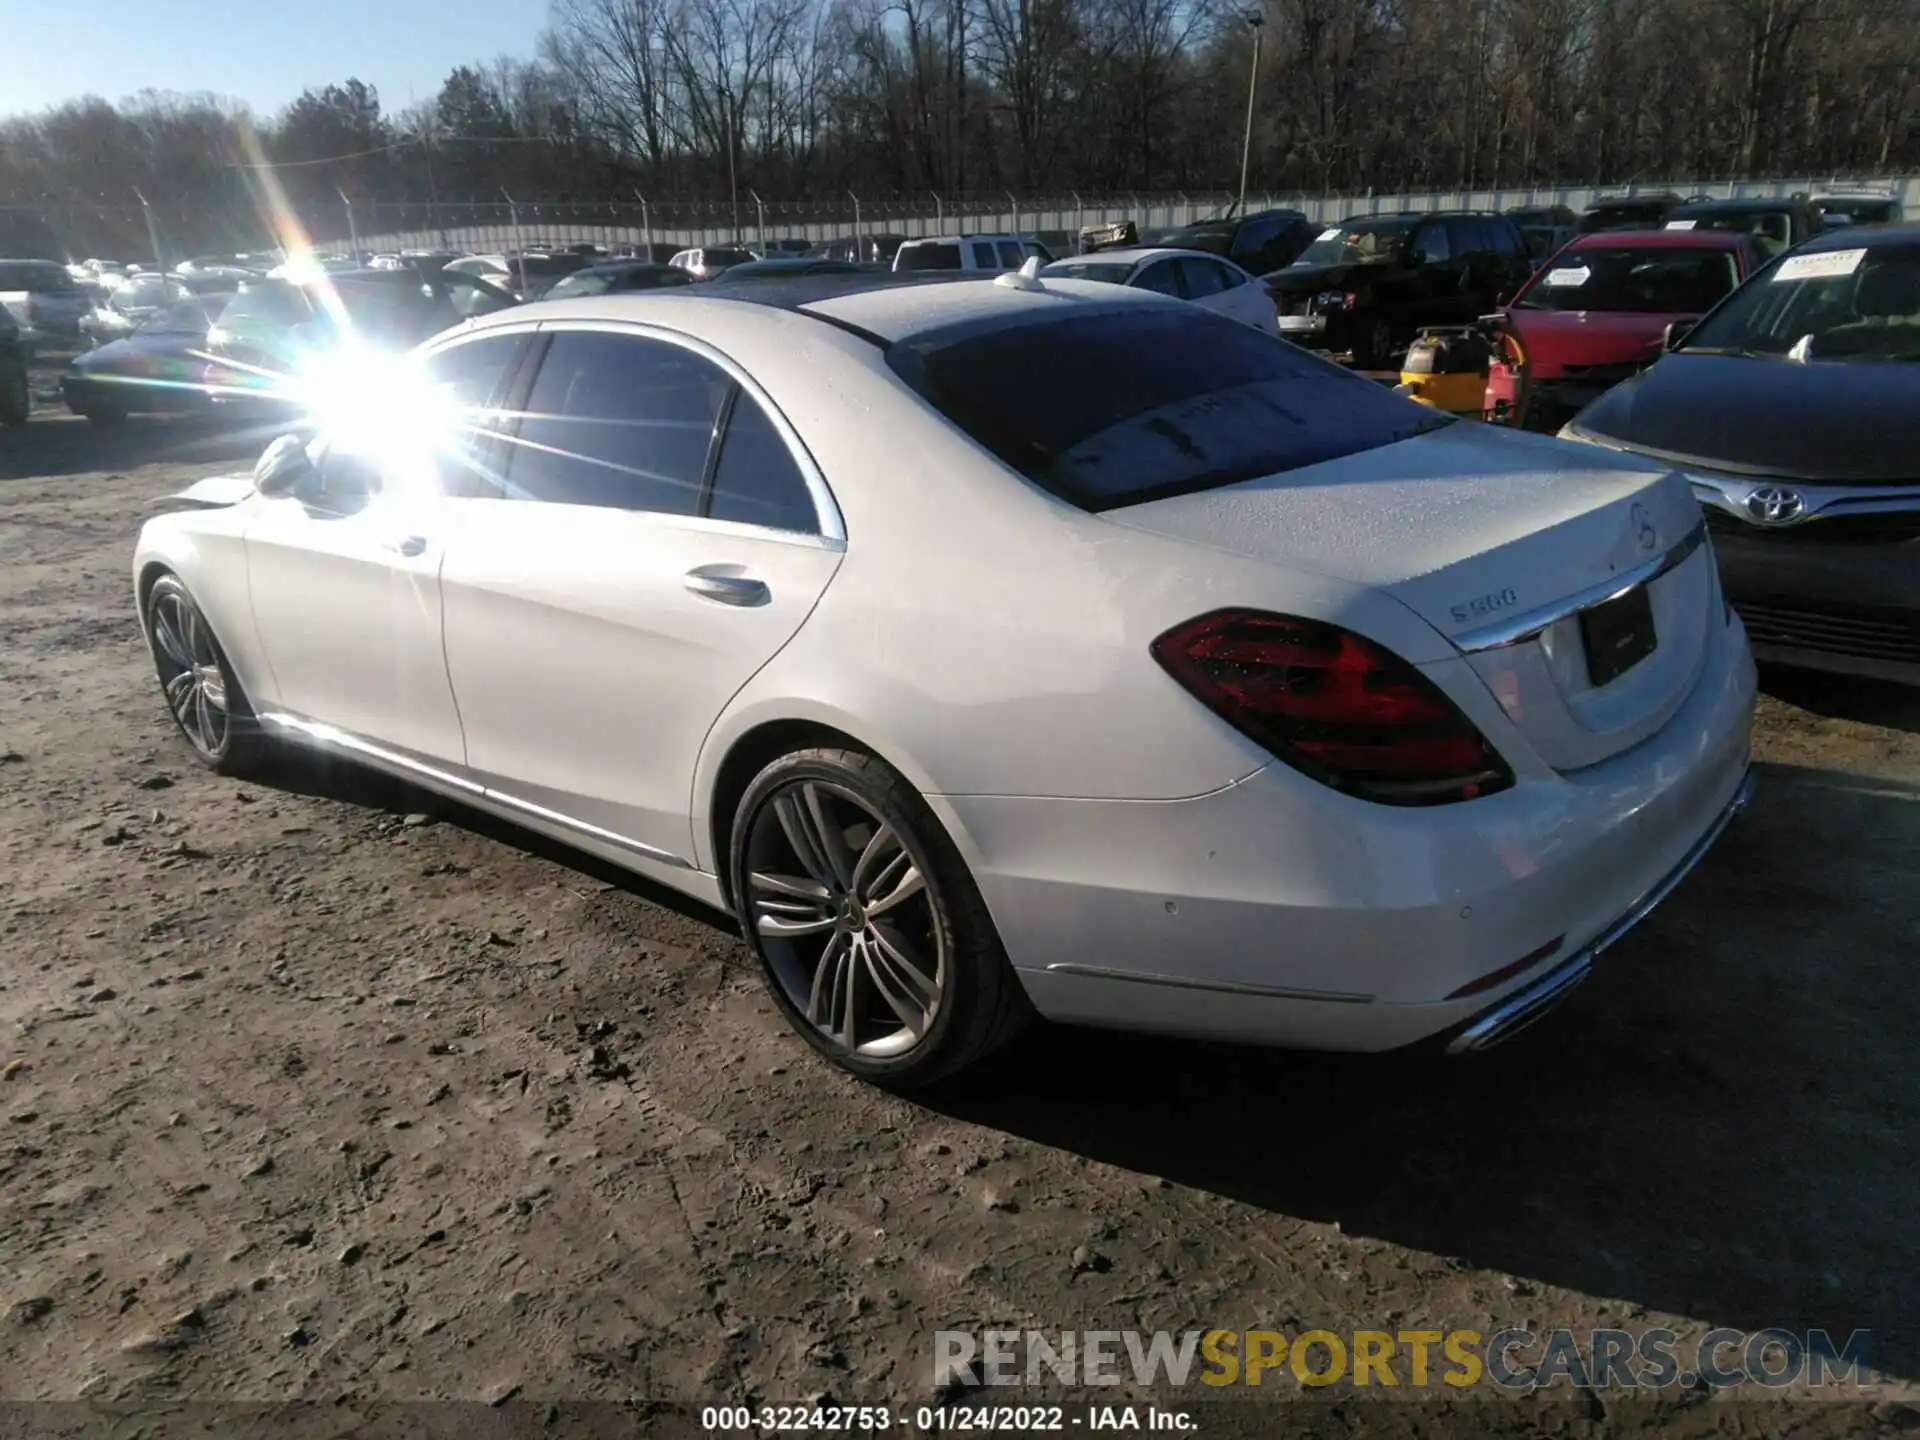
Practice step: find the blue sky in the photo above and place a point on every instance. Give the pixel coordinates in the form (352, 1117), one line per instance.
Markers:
(264, 52)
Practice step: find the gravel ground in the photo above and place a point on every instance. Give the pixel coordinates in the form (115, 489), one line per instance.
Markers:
(321, 1090)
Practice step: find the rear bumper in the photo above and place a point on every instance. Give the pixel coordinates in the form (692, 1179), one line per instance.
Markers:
(1849, 608)
(1524, 1006)
(1277, 911)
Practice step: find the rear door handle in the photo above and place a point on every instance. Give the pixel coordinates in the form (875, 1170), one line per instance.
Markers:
(407, 544)
(716, 585)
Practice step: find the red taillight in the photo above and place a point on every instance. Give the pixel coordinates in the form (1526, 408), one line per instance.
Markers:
(1333, 705)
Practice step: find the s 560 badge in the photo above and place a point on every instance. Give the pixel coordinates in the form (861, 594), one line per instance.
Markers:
(1484, 605)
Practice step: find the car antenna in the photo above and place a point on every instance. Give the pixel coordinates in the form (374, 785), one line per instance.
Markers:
(1027, 277)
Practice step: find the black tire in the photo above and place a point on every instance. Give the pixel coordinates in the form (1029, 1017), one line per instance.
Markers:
(104, 415)
(215, 718)
(1374, 350)
(977, 1000)
(16, 399)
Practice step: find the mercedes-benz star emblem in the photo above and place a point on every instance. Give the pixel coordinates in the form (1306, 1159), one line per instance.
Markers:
(1774, 505)
(1644, 533)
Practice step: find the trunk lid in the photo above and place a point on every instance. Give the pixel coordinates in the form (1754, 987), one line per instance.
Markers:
(1489, 535)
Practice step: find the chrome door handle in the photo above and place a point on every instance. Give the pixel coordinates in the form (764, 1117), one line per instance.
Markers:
(408, 544)
(741, 590)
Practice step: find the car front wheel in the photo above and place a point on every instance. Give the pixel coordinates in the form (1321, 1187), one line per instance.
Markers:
(202, 694)
(872, 936)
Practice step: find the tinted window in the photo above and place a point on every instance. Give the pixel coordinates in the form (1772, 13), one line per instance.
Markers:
(271, 304)
(1357, 242)
(41, 277)
(756, 481)
(1430, 245)
(1112, 273)
(1508, 243)
(1254, 237)
(1201, 402)
(1011, 255)
(1200, 278)
(586, 282)
(471, 374)
(927, 257)
(983, 258)
(1160, 278)
(617, 421)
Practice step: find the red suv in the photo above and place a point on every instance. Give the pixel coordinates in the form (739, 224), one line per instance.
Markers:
(1597, 313)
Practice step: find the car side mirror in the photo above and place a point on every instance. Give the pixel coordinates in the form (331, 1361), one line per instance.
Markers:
(1675, 335)
(283, 468)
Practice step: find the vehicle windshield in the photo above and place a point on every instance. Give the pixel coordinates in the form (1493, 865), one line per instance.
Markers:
(191, 316)
(1859, 212)
(145, 292)
(581, 282)
(1771, 229)
(1111, 273)
(1202, 402)
(1857, 304)
(1649, 281)
(1358, 242)
(270, 304)
(927, 257)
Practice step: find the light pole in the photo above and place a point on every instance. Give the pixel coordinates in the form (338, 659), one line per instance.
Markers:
(1254, 20)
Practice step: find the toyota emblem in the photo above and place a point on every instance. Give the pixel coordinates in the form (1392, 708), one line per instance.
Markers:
(1644, 533)
(1775, 505)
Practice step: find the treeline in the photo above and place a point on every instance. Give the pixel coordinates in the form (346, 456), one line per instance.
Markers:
(680, 99)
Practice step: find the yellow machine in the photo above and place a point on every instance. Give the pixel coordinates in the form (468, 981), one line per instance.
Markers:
(1446, 368)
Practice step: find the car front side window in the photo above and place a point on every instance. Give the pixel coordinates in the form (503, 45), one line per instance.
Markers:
(622, 422)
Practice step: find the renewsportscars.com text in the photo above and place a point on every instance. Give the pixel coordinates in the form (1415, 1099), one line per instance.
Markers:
(1412, 1359)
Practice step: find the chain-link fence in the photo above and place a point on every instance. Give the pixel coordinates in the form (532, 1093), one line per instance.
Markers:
(136, 232)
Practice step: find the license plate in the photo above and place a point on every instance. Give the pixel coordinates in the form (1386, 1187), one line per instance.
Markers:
(1618, 635)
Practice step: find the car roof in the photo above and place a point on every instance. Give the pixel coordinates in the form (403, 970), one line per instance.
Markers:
(1862, 237)
(1661, 240)
(1756, 202)
(1134, 254)
(885, 309)
(957, 239)
(608, 267)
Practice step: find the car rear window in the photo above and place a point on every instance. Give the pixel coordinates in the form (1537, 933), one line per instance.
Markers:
(272, 303)
(1200, 402)
(927, 257)
(40, 277)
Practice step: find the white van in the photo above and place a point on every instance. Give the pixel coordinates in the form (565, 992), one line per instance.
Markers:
(987, 253)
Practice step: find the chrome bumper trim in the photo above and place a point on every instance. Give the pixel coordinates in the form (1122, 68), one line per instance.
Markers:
(1523, 1007)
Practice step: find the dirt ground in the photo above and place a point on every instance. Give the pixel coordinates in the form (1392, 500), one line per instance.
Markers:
(319, 1089)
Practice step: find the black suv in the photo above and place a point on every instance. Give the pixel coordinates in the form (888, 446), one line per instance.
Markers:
(1366, 286)
(1628, 212)
(1262, 241)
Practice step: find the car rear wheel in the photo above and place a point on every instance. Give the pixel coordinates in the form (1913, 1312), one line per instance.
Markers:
(16, 400)
(872, 936)
(1375, 350)
(203, 697)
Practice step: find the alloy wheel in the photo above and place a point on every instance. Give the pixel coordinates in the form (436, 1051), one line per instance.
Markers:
(841, 904)
(190, 673)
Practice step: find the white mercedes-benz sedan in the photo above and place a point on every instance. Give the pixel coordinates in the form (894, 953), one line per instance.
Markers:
(1207, 280)
(992, 647)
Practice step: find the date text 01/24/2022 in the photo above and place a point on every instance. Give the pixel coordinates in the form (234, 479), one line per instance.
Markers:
(941, 1419)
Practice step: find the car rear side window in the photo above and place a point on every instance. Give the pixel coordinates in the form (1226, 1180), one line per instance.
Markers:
(618, 421)
(1201, 278)
(757, 481)
(927, 257)
(1202, 402)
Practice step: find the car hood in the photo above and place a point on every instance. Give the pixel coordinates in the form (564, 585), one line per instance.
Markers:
(1825, 423)
(1555, 339)
(1309, 279)
(137, 351)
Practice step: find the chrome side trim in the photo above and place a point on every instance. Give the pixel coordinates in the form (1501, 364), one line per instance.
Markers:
(1227, 987)
(1519, 628)
(1523, 1007)
(330, 737)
